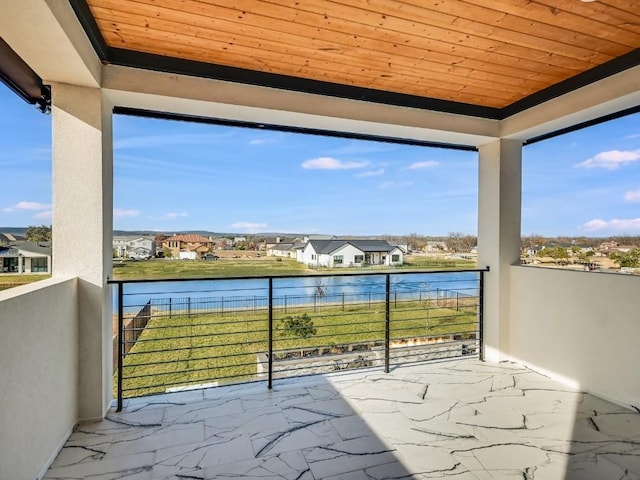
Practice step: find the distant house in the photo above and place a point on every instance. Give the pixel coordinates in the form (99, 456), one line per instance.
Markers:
(188, 243)
(281, 250)
(352, 252)
(8, 238)
(134, 247)
(25, 257)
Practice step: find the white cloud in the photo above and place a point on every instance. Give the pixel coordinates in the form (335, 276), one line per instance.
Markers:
(420, 165)
(45, 215)
(371, 173)
(248, 227)
(121, 213)
(170, 216)
(611, 160)
(632, 196)
(626, 225)
(22, 206)
(330, 163)
(392, 184)
(630, 137)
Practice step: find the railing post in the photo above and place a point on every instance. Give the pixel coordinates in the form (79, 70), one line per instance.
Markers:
(387, 322)
(481, 315)
(270, 383)
(120, 342)
(170, 309)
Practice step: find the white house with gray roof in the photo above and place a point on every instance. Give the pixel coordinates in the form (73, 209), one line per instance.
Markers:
(25, 257)
(350, 253)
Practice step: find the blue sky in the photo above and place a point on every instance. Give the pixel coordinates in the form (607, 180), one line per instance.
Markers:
(171, 176)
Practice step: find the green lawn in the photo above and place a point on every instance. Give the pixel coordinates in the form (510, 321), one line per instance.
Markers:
(204, 348)
(224, 267)
(10, 281)
(261, 266)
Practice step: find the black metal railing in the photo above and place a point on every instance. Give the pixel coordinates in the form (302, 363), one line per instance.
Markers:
(195, 333)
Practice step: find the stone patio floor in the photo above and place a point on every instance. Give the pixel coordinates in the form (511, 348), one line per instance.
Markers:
(464, 420)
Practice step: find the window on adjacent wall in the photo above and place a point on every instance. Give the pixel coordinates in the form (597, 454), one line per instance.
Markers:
(580, 198)
(358, 259)
(25, 157)
(313, 257)
(395, 258)
(338, 259)
(388, 181)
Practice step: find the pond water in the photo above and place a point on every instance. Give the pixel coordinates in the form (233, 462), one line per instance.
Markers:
(325, 288)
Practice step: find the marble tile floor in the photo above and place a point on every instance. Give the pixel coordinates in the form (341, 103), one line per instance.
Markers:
(464, 420)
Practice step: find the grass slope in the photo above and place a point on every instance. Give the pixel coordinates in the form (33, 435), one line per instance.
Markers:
(204, 348)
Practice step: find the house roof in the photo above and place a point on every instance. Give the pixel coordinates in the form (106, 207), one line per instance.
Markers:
(285, 247)
(16, 248)
(8, 251)
(189, 238)
(489, 59)
(40, 248)
(366, 245)
(8, 238)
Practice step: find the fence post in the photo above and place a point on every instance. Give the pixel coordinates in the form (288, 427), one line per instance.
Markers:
(481, 314)
(285, 304)
(270, 382)
(343, 301)
(387, 323)
(120, 343)
(170, 307)
(189, 307)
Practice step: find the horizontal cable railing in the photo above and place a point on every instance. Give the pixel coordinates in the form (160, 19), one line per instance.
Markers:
(197, 333)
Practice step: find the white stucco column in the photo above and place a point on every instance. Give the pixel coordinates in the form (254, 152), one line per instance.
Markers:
(82, 225)
(499, 191)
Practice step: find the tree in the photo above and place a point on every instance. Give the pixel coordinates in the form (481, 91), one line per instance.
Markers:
(630, 259)
(557, 253)
(38, 234)
(300, 326)
(459, 242)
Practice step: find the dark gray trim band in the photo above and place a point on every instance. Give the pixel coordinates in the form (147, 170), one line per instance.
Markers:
(286, 128)
(580, 126)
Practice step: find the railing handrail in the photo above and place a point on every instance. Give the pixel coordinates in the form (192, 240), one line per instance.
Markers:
(296, 275)
(124, 344)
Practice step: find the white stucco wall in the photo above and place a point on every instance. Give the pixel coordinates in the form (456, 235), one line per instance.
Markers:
(348, 253)
(580, 327)
(307, 255)
(395, 251)
(38, 375)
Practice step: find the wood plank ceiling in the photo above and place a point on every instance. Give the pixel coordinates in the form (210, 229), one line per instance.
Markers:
(484, 53)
